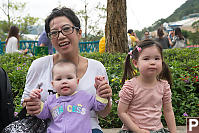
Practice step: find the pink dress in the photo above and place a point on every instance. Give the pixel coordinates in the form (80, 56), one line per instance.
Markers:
(145, 104)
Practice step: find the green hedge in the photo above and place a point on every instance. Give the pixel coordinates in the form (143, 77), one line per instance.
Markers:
(184, 65)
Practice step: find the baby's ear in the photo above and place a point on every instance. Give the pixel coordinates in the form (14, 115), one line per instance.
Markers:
(77, 80)
(52, 82)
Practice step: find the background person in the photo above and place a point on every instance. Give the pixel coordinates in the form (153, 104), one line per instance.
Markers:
(178, 40)
(102, 45)
(12, 41)
(132, 39)
(63, 28)
(45, 41)
(146, 35)
(143, 96)
(68, 103)
(171, 34)
(163, 40)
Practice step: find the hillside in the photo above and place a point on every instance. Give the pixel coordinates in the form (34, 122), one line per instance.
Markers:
(189, 7)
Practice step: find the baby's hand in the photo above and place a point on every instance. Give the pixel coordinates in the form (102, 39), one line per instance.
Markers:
(98, 81)
(36, 93)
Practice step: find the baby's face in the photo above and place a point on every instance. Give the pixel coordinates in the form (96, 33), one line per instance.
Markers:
(65, 80)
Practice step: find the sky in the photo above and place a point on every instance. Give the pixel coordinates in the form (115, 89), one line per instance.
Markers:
(140, 13)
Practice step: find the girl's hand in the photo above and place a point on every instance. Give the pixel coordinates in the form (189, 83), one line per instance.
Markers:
(103, 88)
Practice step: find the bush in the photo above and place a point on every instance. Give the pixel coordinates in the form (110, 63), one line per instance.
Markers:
(182, 62)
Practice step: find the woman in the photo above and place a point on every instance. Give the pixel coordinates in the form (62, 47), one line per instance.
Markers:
(63, 28)
(178, 39)
(163, 40)
(12, 41)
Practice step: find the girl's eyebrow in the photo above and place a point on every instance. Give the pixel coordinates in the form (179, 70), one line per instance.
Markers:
(145, 56)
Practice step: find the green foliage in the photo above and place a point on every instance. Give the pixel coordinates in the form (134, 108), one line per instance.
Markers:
(26, 22)
(189, 7)
(3, 28)
(16, 66)
(194, 37)
(195, 25)
(183, 64)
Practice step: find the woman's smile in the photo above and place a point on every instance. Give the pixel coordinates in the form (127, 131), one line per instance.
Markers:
(65, 44)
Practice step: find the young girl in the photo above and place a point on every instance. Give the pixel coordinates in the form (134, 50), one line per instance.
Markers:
(68, 109)
(142, 97)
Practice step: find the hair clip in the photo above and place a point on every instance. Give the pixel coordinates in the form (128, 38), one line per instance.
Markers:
(138, 49)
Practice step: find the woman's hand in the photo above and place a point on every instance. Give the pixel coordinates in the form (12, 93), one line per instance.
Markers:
(33, 105)
(143, 131)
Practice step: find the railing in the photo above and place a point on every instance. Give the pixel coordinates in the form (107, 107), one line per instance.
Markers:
(32, 45)
(89, 46)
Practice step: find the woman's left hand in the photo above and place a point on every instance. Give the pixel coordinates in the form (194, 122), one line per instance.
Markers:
(104, 90)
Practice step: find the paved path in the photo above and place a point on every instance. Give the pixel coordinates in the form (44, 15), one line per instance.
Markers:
(180, 129)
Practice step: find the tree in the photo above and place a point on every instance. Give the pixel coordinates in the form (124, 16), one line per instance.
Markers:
(13, 12)
(116, 26)
(83, 14)
(9, 9)
(92, 30)
(25, 23)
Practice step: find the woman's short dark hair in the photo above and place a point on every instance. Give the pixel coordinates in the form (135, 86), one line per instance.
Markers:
(57, 12)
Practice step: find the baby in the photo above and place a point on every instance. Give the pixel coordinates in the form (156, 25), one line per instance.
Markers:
(69, 109)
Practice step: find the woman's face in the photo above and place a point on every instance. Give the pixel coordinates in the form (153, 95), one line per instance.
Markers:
(64, 44)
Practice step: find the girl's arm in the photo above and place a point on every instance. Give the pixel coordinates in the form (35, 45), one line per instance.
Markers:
(125, 118)
(169, 117)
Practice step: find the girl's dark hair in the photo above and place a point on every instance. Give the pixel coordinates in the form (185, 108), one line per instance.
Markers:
(58, 12)
(129, 71)
(14, 31)
(179, 33)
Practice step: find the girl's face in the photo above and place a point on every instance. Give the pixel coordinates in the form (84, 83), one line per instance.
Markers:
(149, 62)
(64, 43)
(65, 80)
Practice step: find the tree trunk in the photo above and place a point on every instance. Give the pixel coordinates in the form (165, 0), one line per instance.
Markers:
(116, 26)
